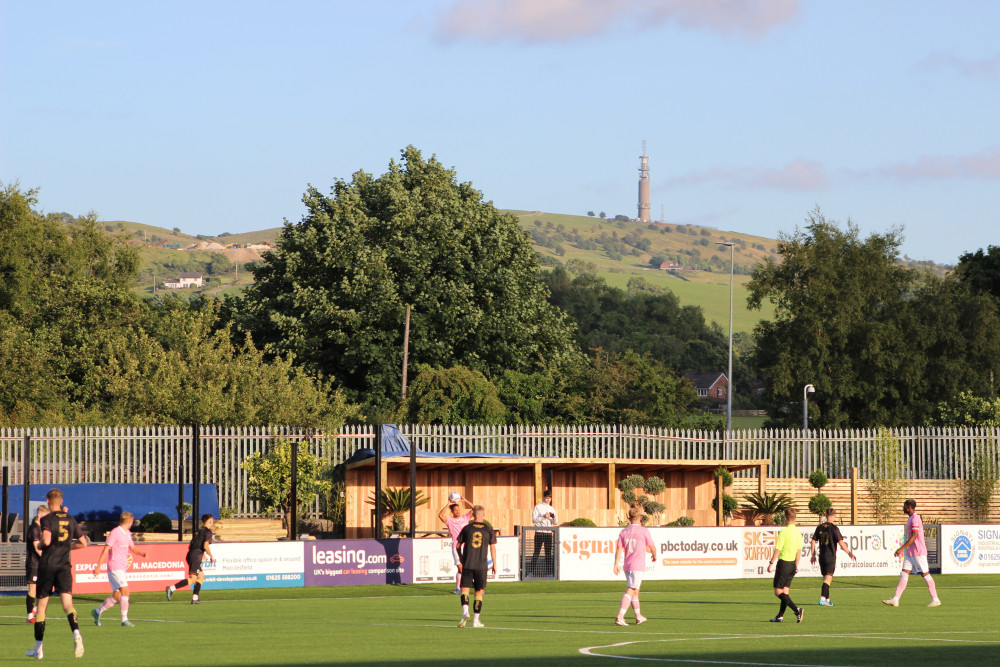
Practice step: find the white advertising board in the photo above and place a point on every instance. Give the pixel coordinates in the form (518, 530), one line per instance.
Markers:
(433, 562)
(873, 546)
(255, 565)
(970, 549)
(587, 554)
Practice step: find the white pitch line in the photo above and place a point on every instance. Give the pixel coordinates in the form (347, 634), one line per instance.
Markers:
(589, 650)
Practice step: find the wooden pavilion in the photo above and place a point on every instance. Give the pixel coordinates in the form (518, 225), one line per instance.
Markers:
(509, 487)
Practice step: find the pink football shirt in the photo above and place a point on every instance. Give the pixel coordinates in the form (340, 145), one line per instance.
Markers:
(455, 526)
(634, 538)
(119, 540)
(915, 526)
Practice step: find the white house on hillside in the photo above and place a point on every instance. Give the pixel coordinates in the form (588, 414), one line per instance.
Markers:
(185, 280)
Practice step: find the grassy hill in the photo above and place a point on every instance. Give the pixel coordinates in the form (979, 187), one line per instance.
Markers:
(617, 250)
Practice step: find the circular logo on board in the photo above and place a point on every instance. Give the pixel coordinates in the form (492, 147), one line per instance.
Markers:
(962, 549)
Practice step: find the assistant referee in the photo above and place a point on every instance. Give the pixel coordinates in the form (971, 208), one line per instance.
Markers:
(787, 550)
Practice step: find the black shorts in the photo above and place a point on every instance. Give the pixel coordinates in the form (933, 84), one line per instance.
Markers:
(194, 562)
(57, 580)
(31, 572)
(828, 564)
(474, 579)
(784, 571)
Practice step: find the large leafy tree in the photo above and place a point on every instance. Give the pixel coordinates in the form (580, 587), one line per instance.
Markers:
(835, 298)
(335, 290)
(883, 345)
(981, 270)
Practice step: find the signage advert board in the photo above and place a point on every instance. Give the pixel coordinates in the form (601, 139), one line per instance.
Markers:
(970, 549)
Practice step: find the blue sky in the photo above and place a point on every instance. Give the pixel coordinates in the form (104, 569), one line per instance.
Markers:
(215, 116)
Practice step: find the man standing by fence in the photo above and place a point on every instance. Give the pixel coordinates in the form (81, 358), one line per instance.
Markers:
(915, 549)
(543, 515)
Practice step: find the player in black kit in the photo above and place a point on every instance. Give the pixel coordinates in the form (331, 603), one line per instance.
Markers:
(34, 544)
(828, 537)
(475, 543)
(199, 547)
(55, 572)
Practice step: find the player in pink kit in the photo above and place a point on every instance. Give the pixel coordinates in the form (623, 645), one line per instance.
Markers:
(916, 556)
(451, 515)
(119, 544)
(633, 543)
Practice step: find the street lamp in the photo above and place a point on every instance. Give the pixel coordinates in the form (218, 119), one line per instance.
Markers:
(806, 390)
(729, 376)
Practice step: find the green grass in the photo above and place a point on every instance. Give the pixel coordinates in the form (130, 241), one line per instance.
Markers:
(550, 623)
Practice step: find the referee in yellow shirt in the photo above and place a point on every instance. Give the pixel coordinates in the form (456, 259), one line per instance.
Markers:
(787, 549)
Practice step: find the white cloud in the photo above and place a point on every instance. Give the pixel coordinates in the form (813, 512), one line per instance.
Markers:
(539, 21)
(800, 176)
(982, 166)
(987, 67)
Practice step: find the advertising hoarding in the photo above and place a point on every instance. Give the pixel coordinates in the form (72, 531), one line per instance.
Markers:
(255, 565)
(164, 564)
(970, 549)
(587, 554)
(355, 562)
(434, 564)
(873, 546)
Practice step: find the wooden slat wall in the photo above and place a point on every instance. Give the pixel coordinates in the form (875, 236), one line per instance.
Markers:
(509, 496)
(937, 499)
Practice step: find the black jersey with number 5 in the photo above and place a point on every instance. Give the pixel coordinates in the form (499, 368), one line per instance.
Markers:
(64, 530)
(475, 540)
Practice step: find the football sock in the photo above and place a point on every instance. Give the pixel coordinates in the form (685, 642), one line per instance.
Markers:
(635, 605)
(826, 591)
(465, 604)
(626, 601)
(124, 607)
(180, 584)
(786, 600)
(903, 578)
(930, 586)
(109, 602)
(477, 607)
(39, 632)
(71, 617)
(29, 602)
(197, 588)
(784, 605)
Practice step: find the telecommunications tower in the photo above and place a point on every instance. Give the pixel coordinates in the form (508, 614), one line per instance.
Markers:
(643, 185)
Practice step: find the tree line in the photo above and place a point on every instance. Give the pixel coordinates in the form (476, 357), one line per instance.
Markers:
(317, 339)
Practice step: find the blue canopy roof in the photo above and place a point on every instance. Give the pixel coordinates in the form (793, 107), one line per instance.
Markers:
(396, 445)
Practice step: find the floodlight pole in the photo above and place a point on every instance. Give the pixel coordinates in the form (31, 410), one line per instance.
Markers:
(729, 373)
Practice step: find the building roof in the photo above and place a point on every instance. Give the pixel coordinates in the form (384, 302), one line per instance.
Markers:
(705, 380)
(190, 275)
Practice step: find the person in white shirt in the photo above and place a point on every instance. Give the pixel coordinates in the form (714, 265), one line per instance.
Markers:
(543, 515)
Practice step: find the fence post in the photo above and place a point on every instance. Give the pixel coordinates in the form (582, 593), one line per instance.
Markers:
(293, 519)
(718, 502)
(854, 496)
(26, 485)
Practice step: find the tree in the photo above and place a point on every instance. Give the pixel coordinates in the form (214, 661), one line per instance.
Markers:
(981, 270)
(334, 291)
(834, 297)
(269, 479)
(451, 396)
(967, 409)
(653, 486)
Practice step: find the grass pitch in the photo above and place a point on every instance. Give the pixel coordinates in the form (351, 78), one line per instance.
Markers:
(547, 623)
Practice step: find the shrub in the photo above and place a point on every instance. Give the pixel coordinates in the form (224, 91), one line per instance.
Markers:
(819, 504)
(886, 486)
(684, 520)
(155, 522)
(818, 479)
(767, 506)
(729, 504)
(582, 523)
(653, 486)
(726, 476)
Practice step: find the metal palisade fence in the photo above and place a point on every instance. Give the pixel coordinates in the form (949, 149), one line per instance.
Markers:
(156, 454)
